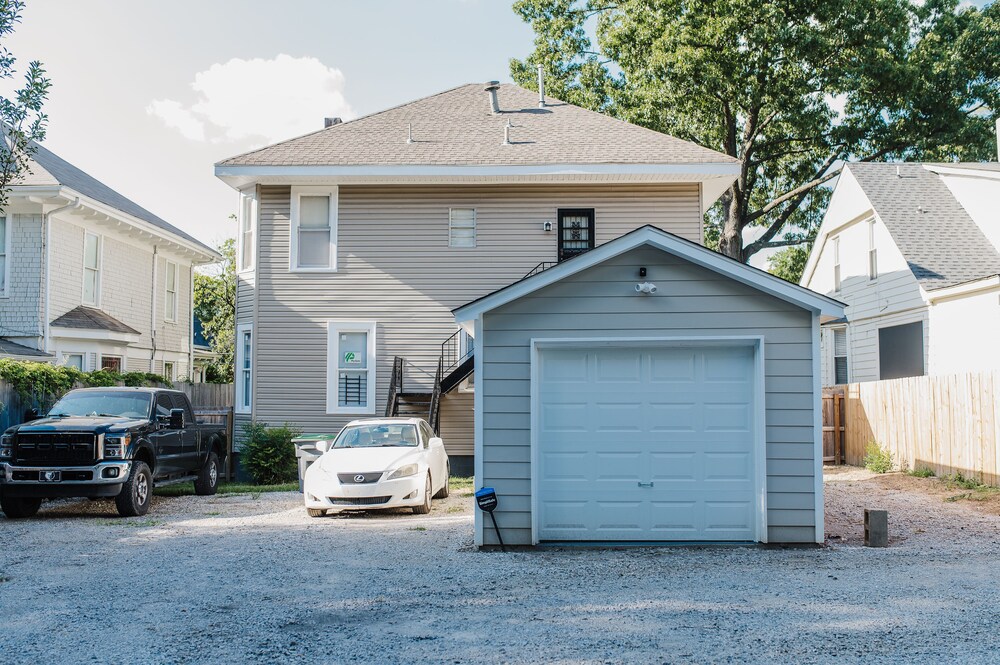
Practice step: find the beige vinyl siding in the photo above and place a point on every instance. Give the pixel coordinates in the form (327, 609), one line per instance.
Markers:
(693, 302)
(395, 268)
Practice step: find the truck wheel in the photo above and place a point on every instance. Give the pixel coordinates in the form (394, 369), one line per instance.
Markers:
(208, 477)
(315, 512)
(425, 508)
(137, 492)
(18, 507)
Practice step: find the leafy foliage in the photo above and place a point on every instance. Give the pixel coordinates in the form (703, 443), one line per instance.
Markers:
(877, 459)
(43, 383)
(215, 307)
(789, 88)
(268, 453)
(790, 262)
(21, 118)
(922, 472)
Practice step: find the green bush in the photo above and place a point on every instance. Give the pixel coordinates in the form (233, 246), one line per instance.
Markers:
(922, 472)
(269, 454)
(877, 458)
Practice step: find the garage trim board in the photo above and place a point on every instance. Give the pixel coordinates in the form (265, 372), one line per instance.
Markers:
(755, 343)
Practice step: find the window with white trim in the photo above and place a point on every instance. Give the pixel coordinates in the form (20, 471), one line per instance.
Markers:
(91, 269)
(313, 229)
(247, 221)
(244, 368)
(836, 264)
(74, 360)
(350, 367)
(840, 356)
(112, 363)
(170, 297)
(168, 371)
(461, 227)
(5, 233)
(872, 252)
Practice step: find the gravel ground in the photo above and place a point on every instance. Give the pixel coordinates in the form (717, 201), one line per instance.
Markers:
(245, 579)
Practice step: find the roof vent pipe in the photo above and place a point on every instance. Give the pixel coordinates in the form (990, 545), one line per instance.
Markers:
(330, 122)
(541, 88)
(492, 87)
(506, 132)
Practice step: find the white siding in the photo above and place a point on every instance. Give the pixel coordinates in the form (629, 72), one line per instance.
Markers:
(963, 334)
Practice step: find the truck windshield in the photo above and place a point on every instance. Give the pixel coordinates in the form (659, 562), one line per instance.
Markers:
(108, 404)
(373, 436)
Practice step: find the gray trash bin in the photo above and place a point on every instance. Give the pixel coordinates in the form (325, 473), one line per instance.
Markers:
(306, 452)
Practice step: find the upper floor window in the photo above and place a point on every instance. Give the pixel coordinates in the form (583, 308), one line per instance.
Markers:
(244, 368)
(872, 252)
(91, 269)
(247, 220)
(840, 356)
(576, 232)
(170, 298)
(836, 264)
(313, 229)
(5, 233)
(461, 227)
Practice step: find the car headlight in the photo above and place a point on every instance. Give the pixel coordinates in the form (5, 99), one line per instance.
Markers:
(404, 471)
(6, 445)
(115, 445)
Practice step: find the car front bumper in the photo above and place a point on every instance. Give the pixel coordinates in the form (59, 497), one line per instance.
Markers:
(324, 492)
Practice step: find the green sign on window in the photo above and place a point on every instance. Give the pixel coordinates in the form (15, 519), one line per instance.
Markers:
(351, 359)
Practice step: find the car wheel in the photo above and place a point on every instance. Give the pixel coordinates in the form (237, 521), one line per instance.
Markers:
(19, 507)
(425, 508)
(208, 477)
(446, 490)
(315, 512)
(137, 492)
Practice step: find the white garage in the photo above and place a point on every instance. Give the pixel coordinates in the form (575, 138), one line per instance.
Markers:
(646, 441)
(687, 410)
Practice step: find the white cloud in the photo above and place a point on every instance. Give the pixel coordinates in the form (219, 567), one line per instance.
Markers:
(257, 99)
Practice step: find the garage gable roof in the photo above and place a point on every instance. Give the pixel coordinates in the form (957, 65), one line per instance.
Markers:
(670, 243)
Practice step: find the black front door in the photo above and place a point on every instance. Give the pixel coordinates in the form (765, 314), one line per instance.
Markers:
(576, 232)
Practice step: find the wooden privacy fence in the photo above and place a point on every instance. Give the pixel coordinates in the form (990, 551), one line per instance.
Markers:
(833, 426)
(949, 424)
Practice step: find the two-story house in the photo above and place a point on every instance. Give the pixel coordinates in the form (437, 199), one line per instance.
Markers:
(90, 279)
(913, 250)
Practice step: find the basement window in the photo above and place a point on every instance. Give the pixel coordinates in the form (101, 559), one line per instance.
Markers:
(461, 227)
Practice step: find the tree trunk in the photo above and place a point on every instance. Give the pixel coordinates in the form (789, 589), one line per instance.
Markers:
(731, 237)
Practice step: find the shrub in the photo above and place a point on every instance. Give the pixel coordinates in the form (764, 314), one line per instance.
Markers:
(877, 458)
(922, 473)
(269, 454)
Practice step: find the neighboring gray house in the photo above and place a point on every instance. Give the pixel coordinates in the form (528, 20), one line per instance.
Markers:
(913, 250)
(90, 279)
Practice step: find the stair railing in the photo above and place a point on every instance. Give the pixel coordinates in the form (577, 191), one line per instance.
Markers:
(452, 354)
(434, 416)
(395, 387)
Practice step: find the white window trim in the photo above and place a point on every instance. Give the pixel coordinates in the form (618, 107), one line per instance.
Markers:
(64, 358)
(451, 221)
(244, 403)
(872, 252)
(8, 234)
(837, 280)
(121, 365)
(248, 202)
(334, 328)
(100, 270)
(171, 317)
(834, 356)
(293, 238)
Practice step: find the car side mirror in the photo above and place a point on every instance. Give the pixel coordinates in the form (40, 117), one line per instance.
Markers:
(176, 418)
(436, 442)
(323, 446)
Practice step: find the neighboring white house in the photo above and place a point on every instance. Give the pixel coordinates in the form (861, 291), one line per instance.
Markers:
(89, 278)
(359, 240)
(913, 250)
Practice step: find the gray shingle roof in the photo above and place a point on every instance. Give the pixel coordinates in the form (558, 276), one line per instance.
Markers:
(48, 168)
(455, 127)
(9, 348)
(91, 318)
(940, 241)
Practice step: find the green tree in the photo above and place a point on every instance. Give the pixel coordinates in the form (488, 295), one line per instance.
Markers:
(215, 307)
(21, 119)
(789, 263)
(791, 88)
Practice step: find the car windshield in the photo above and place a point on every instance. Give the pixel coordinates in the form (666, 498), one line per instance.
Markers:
(374, 436)
(108, 404)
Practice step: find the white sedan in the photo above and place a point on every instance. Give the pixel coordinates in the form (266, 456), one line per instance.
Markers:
(377, 464)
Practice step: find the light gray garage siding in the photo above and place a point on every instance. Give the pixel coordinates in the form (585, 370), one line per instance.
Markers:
(691, 301)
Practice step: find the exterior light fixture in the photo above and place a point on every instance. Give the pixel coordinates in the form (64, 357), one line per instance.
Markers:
(547, 226)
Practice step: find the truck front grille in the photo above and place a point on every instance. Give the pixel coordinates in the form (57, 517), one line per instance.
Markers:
(55, 449)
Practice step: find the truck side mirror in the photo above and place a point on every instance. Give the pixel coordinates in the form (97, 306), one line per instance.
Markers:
(176, 418)
(30, 414)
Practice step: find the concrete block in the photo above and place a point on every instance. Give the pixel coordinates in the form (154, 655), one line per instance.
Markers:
(876, 528)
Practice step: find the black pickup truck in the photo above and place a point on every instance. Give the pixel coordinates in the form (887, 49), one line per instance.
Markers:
(108, 442)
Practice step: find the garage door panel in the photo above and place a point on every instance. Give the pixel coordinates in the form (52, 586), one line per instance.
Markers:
(651, 444)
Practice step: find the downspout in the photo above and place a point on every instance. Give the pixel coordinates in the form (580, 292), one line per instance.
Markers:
(47, 239)
(191, 326)
(152, 316)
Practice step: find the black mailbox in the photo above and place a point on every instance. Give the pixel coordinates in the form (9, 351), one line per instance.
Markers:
(487, 499)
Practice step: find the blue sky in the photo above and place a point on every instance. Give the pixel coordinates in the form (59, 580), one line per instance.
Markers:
(122, 105)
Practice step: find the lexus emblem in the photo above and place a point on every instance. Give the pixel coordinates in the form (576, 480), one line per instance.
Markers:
(359, 478)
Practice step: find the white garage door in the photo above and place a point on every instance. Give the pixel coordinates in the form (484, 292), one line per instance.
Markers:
(646, 444)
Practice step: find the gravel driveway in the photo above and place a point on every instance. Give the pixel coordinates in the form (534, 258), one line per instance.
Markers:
(245, 579)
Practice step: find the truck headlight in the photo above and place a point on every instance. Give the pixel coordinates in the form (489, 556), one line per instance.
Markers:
(115, 445)
(6, 446)
(404, 471)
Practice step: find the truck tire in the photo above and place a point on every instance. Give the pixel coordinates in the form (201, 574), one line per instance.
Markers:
(208, 478)
(425, 507)
(19, 507)
(137, 492)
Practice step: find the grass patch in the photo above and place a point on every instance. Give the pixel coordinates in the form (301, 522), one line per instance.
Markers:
(132, 524)
(462, 482)
(456, 509)
(975, 490)
(187, 489)
(921, 473)
(417, 528)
